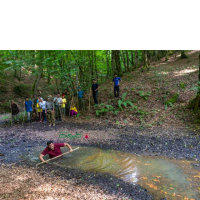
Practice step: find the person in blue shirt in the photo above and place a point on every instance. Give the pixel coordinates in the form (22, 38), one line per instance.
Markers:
(29, 108)
(81, 94)
(116, 81)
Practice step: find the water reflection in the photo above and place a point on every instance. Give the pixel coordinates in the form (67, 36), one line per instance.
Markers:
(161, 176)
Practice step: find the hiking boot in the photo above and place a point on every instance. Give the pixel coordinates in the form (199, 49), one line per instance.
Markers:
(54, 124)
(50, 124)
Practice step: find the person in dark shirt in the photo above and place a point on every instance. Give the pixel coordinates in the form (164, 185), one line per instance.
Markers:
(53, 149)
(116, 81)
(15, 111)
(95, 88)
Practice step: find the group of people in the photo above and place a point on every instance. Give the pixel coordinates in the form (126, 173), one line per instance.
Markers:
(58, 107)
(50, 110)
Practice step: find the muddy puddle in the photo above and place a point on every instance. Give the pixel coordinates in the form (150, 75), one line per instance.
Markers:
(162, 177)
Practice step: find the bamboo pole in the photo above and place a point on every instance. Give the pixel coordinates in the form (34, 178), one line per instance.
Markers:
(56, 157)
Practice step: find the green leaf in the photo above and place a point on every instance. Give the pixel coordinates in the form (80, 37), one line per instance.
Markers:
(97, 113)
(119, 104)
(117, 122)
(123, 96)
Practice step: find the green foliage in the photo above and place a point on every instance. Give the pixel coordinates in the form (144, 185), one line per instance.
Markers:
(172, 100)
(3, 90)
(102, 109)
(141, 112)
(116, 112)
(182, 85)
(117, 122)
(5, 106)
(21, 90)
(122, 103)
(145, 95)
(196, 88)
(124, 96)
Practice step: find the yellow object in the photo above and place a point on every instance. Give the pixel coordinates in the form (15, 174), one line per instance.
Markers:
(74, 108)
(63, 103)
(38, 108)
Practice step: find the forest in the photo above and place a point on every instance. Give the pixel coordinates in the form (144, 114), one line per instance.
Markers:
(138, 139)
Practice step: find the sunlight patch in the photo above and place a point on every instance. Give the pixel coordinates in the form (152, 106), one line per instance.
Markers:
(185, 71)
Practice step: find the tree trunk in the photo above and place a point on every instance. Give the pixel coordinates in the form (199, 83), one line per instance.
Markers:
(108, 63)
(38, 77)
(124, 60)
(127, 60)
(113, 61)
(149, 57)
(132, 59)
(199, 65)
(166, 56)
(183, 55)
(136, 59)
(117, 62)
(37, 80)
(144, 57)
(95, 64)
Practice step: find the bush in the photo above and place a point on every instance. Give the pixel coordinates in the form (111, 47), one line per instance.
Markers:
(5, 107)
(3, 90)
(22, 90)
(102, 109)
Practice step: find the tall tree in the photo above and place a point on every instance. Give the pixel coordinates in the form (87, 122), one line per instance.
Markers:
(117, 62)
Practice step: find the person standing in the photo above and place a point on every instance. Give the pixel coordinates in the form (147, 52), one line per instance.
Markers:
(116, 81)
(80, 98)
(95, 88)
(34, 102)
(63, 106)
(57, 100)
(50, 112)
(43, 107)
(15, 111)
(39, 110)
(29, 108)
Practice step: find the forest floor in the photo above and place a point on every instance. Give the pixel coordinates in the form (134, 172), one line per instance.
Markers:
(151, 130)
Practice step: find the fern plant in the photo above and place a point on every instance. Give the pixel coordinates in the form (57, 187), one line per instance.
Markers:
(102, 109)
(145, 95)
(122, 102)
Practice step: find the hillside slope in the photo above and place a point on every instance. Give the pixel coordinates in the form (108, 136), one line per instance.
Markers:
(148, 91)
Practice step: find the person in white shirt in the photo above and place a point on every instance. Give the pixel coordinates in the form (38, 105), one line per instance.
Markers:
(58, 101)
(43, 107)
